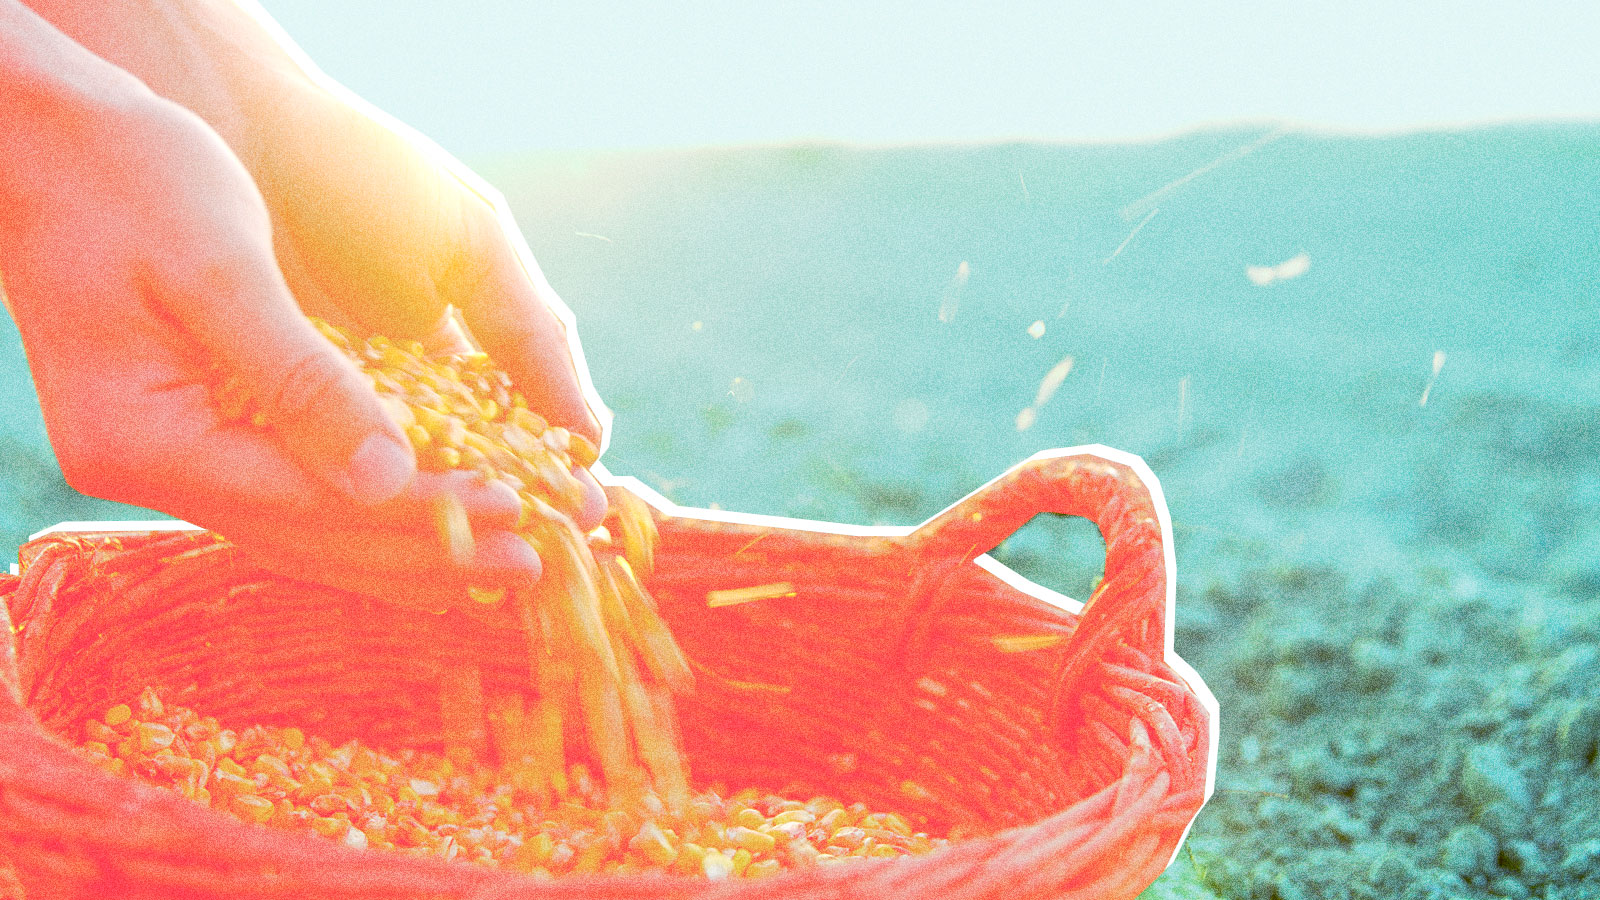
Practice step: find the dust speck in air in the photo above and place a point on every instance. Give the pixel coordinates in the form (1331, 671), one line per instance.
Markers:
(952, 293)
(1052, 380)
(1036, 330)
(1293, 267)
(1047, 387)
(1438, 363)
(910, 416)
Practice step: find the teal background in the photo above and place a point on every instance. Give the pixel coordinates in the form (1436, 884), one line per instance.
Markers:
(1395, 602)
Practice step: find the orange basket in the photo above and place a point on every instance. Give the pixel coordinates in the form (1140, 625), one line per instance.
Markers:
(1077, 767)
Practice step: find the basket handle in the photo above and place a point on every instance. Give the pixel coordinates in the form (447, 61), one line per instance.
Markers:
(10, 681)
(1097, 483)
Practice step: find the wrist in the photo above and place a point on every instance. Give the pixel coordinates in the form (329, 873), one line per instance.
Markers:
(53, 85)
(209, 56)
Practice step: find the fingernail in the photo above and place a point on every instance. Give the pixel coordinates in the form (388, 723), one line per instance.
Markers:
(504, 558)
(379, 470)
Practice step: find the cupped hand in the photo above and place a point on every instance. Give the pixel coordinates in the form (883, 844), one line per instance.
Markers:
(137, 252)
(379, 232)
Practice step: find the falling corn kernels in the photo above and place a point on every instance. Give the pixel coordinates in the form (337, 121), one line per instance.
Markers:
(590, 618)
(425, 804)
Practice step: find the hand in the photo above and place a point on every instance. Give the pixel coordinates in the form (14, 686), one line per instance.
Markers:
(378, 231)
(136, 251)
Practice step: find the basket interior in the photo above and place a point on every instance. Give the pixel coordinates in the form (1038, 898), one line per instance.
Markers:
(871, 683)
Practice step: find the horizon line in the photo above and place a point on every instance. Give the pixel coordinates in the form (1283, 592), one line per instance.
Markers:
(1264, 124)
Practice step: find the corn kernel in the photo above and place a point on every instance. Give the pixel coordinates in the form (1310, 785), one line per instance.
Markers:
(293, 738)
(762, 868)
(118, 714)
(897, 824)
(691, 859)
(252, 808)
(803, 816)
(716, 866)
(754, 841)
(95, 730)
(653, 844)
(154, 736)
(834, 819)
(267, 764)
(848, 838)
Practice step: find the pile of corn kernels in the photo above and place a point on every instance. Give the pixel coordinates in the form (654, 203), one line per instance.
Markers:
(422, 803)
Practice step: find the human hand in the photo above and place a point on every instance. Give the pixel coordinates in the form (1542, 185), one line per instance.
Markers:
(137, 252)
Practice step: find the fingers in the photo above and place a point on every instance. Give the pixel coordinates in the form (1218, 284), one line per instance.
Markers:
(325, 413)
(512, 312)
(594, 500)
(389, 566)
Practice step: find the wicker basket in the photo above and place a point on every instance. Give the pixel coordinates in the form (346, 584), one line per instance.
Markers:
(1077, 768)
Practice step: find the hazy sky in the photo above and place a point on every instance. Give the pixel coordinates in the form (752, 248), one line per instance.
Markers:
(491, 75)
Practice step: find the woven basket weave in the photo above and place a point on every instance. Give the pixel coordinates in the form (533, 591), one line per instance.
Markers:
(1079, 767)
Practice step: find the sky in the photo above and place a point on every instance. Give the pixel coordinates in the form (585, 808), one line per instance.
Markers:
(491, 76)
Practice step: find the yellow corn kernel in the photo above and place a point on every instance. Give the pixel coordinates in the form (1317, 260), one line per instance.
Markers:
(486, 596)
(267, 764)
(732, 596)
(849, 837)
(803, 816)
(741, 860)
(329, 827)
(691, 859)
(95, 730)
(252, 808)
(227, 784)
(293, 738)
(528, 420)
(455, 531)
(154, 736)
(834, 819)
(1022, 643)
(749, 818)
(418, 436)
(584, 452)
(118, 714)
(654, 845)
(897, 824)
(537, 850)
(716, 865)
(762, 868)
(589, 859)
(751, 840)
(150, 704)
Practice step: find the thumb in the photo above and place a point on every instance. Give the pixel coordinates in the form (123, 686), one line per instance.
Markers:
(325, 412)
